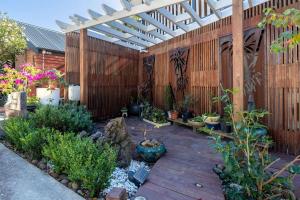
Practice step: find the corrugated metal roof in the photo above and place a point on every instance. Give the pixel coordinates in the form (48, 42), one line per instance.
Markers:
(42, 38)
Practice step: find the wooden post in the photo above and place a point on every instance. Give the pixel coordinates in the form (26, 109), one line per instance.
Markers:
(238, 54)
(83, 67)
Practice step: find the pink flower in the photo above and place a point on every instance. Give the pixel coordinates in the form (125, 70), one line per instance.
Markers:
(18, 81)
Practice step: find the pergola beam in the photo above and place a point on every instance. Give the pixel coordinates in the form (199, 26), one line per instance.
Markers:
(192, 12)
(173, 18)
(212, 6)
(107, 30)
(142, 8)
(149, 29)
(124, 28)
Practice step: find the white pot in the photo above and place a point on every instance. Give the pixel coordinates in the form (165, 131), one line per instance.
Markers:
(74, 93)
(48, 96)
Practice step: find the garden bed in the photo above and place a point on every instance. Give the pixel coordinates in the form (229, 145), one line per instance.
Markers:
(157, 124)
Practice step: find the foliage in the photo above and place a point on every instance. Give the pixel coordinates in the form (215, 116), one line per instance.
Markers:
(198, 119)
(21, 133)
(153, 114)
(169, 97)
(67, 117)
(286, 20)
(81, 160)
(186, 103)
(12, 40)
(33, 100)
(16, 128)
(246, 173)
(23, 77)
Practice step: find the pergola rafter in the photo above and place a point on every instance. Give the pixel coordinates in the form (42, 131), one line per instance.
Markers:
(136, 28)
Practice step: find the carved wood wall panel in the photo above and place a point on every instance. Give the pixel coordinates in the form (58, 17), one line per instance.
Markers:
(179, 60)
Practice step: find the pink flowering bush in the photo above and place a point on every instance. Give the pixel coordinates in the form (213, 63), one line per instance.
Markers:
(26, 76)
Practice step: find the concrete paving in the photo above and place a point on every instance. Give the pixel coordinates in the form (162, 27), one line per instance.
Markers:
(20, 180)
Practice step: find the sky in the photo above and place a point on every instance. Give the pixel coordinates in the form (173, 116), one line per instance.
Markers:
(44, 12)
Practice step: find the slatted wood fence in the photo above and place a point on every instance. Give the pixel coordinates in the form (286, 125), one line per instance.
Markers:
(112, 78)
(279, 90)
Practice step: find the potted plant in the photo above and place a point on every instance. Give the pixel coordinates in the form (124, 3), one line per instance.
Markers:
(134, 107)
(32, 103)
(48, 92)
(169, 99)
(174, 112)
(212, 120)
(196, 121)
(186, 103)
(150, 150)
(226, 125)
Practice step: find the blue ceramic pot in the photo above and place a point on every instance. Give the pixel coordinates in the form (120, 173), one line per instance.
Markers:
(151, 154)
(213, 126)
(134, 109)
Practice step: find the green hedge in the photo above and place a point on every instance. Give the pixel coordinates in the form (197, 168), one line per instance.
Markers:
(25, 137)
(81, 160)
(67, 117)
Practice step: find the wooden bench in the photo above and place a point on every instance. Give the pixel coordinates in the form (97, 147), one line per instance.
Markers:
(224, 135)
(180, 121)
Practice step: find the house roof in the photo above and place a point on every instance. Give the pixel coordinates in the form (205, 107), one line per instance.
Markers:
(41, 38)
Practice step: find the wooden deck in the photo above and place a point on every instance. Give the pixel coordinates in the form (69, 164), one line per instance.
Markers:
(189, 161)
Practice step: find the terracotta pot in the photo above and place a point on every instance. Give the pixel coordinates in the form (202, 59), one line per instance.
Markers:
(174, 115)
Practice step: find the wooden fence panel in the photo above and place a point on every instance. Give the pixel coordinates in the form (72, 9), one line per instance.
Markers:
(279, 91)
(113, 74)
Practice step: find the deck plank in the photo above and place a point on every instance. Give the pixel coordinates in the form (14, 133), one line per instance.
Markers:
(189, 160)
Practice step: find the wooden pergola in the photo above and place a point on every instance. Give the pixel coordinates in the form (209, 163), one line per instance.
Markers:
(134, 27)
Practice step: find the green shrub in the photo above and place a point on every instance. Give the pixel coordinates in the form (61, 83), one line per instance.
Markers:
(34, 141)
(21, 133)
(81, 160)
(246, 173)
(15, 129)
(154, 114)
(67, 117)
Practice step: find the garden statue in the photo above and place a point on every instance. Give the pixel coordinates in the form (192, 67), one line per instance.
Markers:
(16, 105)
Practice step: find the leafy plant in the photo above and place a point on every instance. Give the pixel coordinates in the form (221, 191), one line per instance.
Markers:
(153, 114)
(289, 18)
(81, 160)
(16, 128)
(12, 40)
(21, 133)
(67, 117)
(169, 97)
(33, 100)
(198, 119)
(246, 173)
(186, 103)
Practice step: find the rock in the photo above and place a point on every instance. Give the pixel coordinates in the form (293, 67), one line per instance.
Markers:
(62, 176)
(35, 162)
(80, 192)
(64, 181)
(54, 175)
(42, 165)
(74, 186)
(116, 134)
(96, 135)
(83, 134)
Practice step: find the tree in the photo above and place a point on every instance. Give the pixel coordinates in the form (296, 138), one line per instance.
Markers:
(287, 20)
(12, 40)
